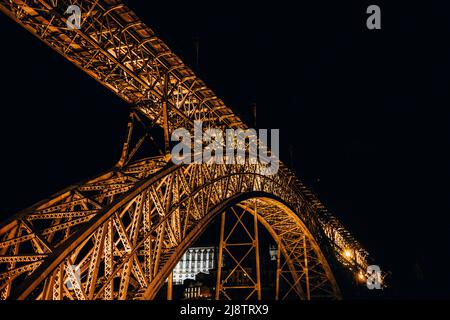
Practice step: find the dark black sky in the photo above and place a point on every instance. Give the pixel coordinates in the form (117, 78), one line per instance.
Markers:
(366, 113)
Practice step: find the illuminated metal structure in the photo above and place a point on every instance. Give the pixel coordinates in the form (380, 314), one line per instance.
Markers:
(251, 248)
(128, 227)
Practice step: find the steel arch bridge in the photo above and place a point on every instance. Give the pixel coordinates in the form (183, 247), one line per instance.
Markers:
(126, 228)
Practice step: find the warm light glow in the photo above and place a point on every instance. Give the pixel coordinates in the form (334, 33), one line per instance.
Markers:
(361, 276)
(348, 253)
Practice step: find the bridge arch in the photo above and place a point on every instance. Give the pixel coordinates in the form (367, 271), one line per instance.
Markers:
(125, 229)
(120, 226)
(276, 217)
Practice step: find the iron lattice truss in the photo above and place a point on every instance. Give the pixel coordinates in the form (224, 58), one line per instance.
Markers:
(123, 54)
(127, 228)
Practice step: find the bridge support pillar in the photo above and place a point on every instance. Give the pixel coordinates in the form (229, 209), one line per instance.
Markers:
(242, 277)
(170, 287)
(277, 281)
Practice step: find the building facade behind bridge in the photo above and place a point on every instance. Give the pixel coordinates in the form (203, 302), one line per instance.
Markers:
(194, 261)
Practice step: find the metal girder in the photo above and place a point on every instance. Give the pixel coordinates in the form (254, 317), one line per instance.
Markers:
(145, 225)
(117, 49)
(302, 265)
(130, 224)
(242, 263)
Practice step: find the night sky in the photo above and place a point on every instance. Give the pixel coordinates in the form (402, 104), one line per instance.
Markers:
(364, 115)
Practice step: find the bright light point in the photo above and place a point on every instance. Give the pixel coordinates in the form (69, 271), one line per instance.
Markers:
(361, 276)
(347, 253)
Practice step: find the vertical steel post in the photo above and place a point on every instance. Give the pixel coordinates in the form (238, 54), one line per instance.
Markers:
(170, 287)
(305, 250)
(165, 116)
(220, 256)
(277, 281)
(126, 144)
(256, 244)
